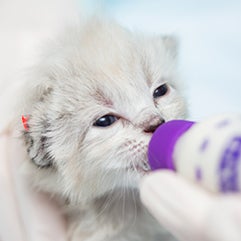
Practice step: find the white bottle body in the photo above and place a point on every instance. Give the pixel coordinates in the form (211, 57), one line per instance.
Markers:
(210, 153)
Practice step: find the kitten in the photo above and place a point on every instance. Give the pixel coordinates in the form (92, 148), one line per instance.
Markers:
(94, 100)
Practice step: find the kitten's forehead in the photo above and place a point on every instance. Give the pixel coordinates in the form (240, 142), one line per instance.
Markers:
(106, 64)
(119, 90)
(123, 95)
(109, 66)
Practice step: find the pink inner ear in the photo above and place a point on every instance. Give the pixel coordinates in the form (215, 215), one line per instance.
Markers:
(25, 122)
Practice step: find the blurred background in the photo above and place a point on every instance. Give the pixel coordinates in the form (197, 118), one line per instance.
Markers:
(209, 32)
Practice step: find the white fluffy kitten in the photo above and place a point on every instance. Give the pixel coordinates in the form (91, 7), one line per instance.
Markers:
(94, 100)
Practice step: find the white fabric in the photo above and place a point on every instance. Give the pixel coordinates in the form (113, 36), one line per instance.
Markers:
(24, 25)
(190, 212)
(25, 215)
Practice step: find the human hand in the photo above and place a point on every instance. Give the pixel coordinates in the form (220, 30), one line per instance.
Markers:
(25, 215)
(188, 211)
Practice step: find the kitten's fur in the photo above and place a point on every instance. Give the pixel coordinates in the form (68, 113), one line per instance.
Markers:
(90, 71)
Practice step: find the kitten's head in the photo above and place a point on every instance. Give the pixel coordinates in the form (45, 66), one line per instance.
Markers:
(96, 98)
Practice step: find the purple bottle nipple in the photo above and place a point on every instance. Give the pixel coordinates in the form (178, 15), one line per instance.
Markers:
(162, 143)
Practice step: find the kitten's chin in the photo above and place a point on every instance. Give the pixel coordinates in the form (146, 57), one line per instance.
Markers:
(140, 169)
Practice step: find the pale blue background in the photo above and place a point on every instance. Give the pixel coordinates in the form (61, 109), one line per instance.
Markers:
(209, 33)
(210, 45)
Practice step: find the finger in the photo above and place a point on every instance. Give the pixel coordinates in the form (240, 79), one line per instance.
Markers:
(41, 216)
(223, 220)
(11, 226)
(178, 205)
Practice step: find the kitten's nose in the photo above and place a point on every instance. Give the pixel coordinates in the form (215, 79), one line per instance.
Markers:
(153, 124)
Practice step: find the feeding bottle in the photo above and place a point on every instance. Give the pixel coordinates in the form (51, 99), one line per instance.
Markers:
(208, 152)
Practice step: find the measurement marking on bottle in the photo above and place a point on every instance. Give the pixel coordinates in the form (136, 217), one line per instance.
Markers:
(228, 168)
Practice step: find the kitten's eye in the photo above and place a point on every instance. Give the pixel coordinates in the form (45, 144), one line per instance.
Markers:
(160, 91)
(106, 120)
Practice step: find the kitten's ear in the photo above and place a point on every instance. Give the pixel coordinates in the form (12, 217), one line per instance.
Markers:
(37, 144)
(171, 43)
(36, 138)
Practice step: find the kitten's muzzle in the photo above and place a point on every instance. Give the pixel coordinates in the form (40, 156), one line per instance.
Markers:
(148, 120)
(153, 125)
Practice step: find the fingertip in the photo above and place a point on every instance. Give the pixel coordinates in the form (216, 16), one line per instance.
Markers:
(159, 179)
(171, 199)
(157, 190)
